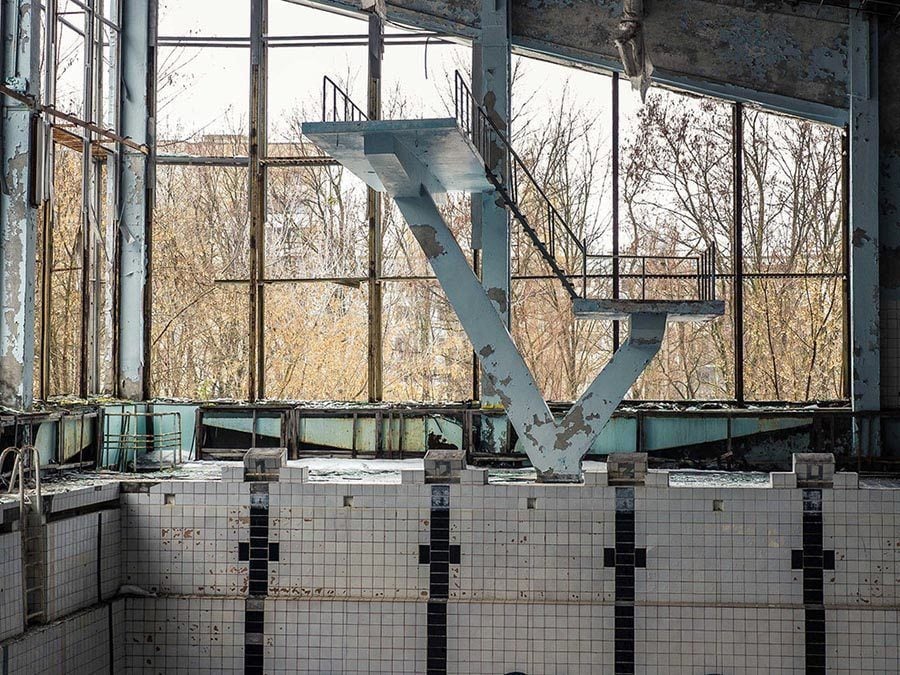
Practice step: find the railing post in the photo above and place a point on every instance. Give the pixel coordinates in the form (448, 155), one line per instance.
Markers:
(700, 265)
(643, 277)
(584, 268)
(551, 231)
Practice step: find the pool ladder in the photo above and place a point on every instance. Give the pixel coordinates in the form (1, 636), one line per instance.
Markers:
(34, 536)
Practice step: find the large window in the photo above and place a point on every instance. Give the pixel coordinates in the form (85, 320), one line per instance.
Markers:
(676, 187)
(76, 261)
(325, 301)
(794, 260)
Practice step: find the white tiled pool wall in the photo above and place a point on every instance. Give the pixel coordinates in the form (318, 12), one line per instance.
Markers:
(361, 578)
(85, 628)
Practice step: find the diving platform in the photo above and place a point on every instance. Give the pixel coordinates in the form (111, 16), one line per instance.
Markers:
(450, 159)
(676, 311)
(417, 162)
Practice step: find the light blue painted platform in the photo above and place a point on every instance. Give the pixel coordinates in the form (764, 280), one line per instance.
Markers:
(438, 145)
(621, 310)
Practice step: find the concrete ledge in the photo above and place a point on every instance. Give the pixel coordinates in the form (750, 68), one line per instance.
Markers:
(80, 498)
(783, 479)
(9, 513)
(675, 310)
(473, 477)
(264, 464)
(846, 481)
(293, 474)
(596, 479)
(234, 474)
(627, 468)
(657, 479)
(814, 469)
(444, 466)
(412, 477)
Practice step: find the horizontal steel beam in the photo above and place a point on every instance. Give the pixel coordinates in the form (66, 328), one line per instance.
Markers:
(72, 119)
(200, 160)
(798, 64)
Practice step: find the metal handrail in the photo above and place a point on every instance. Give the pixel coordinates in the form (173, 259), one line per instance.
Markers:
(484, 133)
(481, 129)
(127, 443)
(703, 264)
(339, 99)
(18, 472)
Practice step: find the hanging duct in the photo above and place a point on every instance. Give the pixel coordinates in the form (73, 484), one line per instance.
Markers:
(374, 6)
(630, 43)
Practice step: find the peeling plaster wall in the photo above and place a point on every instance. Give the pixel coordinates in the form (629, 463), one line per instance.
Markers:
(20, 59)
(781, 53)
(17, 242)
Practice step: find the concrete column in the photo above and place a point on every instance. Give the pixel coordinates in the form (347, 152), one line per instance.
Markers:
(864, 277)
(18, 215)
(889, 235)
(375, 360)
(257, 198)
(135, 194)
(490, 219)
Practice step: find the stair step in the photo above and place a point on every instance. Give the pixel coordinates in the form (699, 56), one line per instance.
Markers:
(533, 236)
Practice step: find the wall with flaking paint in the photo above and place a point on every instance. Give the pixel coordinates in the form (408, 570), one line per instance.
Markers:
(775, 49)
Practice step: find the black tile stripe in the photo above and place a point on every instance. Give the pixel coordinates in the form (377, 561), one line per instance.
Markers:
(814, 560)
(99, 557)
(438, 559)
(109, 630)
(257, 553)
(624, 558)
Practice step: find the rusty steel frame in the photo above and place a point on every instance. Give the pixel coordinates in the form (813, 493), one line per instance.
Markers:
(374, 342)
(257, 197)
(257, 163)
(737, 247)
(737, 276)
(96, 192)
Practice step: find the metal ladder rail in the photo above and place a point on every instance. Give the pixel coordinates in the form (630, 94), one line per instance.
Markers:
(483, 132)
(533, 235)
(33, 533)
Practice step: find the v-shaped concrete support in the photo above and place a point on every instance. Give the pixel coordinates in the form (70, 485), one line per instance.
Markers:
(555, 448)
(416, 162)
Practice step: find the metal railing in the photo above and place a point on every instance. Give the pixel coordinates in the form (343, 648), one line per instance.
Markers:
(26, 457)
(515, 183)
(506, 170)
(342, 108)
(702, 272)
(128, 441)
(706, 274)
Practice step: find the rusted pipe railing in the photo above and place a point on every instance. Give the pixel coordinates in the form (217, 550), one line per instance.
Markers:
(18, 473)
(339, 99)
